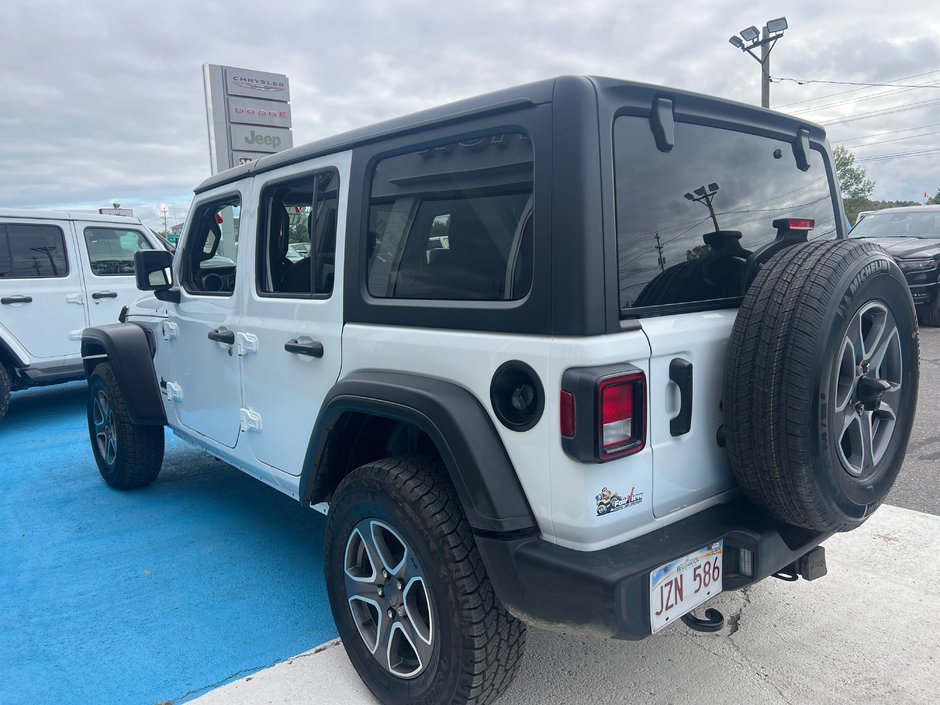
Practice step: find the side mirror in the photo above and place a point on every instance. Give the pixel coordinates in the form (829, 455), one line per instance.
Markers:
(154, 270)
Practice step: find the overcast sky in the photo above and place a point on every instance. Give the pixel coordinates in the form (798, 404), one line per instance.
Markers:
(103, 102)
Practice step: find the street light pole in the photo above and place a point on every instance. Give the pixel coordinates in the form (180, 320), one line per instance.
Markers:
(766, 38)
(765, 68)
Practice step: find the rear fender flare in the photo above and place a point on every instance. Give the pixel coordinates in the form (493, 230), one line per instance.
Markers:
(460, 428)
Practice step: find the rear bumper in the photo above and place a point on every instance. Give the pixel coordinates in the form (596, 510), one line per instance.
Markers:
(607, 591)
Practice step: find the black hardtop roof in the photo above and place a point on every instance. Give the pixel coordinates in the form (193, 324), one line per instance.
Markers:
(490, 103)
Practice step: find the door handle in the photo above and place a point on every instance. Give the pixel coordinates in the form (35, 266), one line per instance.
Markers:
(311, 349)
(16, 300)
(222, 335)
(104, 295)
(680, 372)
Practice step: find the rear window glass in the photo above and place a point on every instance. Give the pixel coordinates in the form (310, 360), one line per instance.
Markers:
(32, 251)
(687, 219)
(453, 221)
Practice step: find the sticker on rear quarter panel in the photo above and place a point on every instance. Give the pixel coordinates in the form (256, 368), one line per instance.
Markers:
(609, 501)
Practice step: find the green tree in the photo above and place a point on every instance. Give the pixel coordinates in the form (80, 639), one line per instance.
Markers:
(935, 201)
(853, 181)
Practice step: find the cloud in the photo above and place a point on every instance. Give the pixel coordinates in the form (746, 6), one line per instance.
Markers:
(103, 101)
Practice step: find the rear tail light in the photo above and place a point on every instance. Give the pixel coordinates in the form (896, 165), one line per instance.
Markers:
(621, 402)
(603, 412)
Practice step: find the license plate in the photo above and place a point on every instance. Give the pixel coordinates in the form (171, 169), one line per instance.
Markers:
(682, 585)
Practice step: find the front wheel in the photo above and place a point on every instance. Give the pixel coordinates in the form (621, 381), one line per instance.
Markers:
(128, 455)
(409, 593)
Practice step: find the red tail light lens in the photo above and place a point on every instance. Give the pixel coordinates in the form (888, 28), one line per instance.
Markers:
(801, 224)
(622, 416)
(567, 414)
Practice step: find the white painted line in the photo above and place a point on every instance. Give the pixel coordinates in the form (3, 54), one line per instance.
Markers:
(869, 632)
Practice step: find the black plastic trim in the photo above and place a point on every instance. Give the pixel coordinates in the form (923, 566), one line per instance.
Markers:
(607, 591)
(457, 424)
(680, 372)
(7, 355)
(500, 378)
(130, 351)
(582, 383)
(41, 377)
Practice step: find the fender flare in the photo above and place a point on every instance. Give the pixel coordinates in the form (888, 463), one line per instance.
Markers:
(12, 351)
(130, 352)
(473, 453)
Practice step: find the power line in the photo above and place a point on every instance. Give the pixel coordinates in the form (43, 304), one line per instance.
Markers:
(883, 94)
(890, 132)
(896, 139)
(854, 90)
(898, 155)
(884, 111)
(803, 82)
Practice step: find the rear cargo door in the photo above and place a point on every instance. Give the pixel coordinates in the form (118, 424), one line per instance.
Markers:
(691, 210)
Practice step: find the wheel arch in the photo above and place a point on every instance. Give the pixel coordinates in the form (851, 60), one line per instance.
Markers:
(370, 412)
(130, 351)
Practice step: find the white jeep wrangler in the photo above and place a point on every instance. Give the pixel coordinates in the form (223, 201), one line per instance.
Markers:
(582, 353)
(60, 272)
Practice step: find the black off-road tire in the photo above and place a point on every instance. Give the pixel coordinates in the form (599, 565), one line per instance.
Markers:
(930, 314)
(128, 455)
(5, 388)
(791, 364)
(477, 647)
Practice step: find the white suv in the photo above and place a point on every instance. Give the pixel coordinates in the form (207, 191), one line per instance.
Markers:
(561, 354)
(59, 273)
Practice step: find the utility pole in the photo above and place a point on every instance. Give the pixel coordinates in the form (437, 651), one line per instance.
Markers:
(659, 249)
(164, 209)
(706, 194)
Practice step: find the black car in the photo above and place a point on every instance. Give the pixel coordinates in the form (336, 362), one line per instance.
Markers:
(912, 236)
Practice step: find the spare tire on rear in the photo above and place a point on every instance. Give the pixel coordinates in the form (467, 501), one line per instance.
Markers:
(821, 382)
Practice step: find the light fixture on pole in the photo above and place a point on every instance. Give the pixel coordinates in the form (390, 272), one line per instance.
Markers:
(751, 38)
(706, 194)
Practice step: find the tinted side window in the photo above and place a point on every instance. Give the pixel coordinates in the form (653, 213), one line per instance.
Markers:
(111, 250)
(297, 236)
(211, 248)
(687, 219)
(32, 251)
(453, 221)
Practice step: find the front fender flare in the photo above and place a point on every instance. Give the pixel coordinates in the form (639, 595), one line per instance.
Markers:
(131, 356)
(473, 453)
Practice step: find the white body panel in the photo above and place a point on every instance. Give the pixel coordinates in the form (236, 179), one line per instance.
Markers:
(287, 389)
(46, 332)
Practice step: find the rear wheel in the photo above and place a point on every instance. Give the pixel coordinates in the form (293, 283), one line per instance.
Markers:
(128, 455)
(5, 387)
(821, 383)
(409, 593)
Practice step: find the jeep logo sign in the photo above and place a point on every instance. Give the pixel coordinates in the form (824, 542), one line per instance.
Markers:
(251, 138)
(248, 113)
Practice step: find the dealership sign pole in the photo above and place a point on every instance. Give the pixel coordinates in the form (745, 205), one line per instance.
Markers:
(248, 114)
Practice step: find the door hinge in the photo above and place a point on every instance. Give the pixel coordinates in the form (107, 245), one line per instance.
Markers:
(246, 343)
(75, 299)
(250, 420)
(174, 392)
(171, 331)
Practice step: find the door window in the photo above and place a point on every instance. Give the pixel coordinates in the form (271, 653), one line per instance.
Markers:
(32, 251)
(453, 221)
(210, 251)
(111, 250)
(297, 236)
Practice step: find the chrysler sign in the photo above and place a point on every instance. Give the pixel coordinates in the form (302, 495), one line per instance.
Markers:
(248, 113)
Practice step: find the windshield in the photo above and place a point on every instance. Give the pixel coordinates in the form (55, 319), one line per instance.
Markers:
(906, 224)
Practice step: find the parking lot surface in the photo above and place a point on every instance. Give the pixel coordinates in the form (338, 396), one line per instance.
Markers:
(209, 577)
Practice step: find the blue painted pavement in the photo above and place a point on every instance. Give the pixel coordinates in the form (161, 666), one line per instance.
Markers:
(150, 596)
